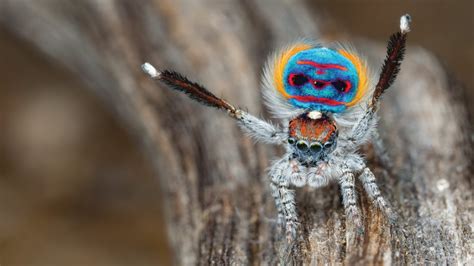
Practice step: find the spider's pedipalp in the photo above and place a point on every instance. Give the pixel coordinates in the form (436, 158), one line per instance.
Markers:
(316, 179)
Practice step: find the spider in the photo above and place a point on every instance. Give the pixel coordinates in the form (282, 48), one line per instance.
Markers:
(327, 111)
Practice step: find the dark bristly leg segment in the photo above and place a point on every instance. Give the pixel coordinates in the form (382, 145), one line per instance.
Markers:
(393, 60)
(194, 90)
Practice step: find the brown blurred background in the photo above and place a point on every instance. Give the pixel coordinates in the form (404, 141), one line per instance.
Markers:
(74, 186)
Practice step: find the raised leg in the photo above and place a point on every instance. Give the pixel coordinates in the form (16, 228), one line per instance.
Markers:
(368, 181)
(259, 129)
(253, 126)
(284, 196)
(380, 149)
(391, 67)
(349, 200)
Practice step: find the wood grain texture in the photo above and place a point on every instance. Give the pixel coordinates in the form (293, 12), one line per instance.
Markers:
(218, 206)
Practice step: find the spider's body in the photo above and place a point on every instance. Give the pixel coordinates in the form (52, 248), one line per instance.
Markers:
(311, 139)
(326, 110)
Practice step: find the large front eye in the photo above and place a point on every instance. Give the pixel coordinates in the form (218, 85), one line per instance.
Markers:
(297, 79)
(302, 145)
(316, 147)
(341, 85)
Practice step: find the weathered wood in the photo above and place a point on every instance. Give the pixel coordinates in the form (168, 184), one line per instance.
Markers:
(217, 202)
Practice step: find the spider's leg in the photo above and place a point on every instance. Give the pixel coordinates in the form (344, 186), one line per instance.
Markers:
(194, 90)
(349, 200)
(380, 149)
(259, 129)
(276, 175)
(362, 130)
(368, 181)
(393, 60)
(390, 68)
(284, 196)
(253, 126)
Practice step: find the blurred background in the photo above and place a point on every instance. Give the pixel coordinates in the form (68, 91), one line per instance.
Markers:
(75, 187)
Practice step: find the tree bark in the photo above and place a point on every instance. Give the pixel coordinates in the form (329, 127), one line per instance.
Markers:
(216, 194)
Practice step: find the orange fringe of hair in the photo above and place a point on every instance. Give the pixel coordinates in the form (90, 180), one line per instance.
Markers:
(281, 62)
(284, 57)
(361, 68)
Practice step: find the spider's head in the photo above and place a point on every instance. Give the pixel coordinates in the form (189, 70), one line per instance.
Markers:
(319, 78)
(312, 136)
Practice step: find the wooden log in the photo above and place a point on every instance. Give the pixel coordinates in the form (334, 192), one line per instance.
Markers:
(216, 196)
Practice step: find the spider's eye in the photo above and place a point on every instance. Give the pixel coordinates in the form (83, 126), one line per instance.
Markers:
(291, 141)
(316, 147)
(302, 145)
(298, 79)
(319, 84)
(340, 85)
(327, 145)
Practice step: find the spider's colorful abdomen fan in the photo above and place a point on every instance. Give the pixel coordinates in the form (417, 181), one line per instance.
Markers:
(320, 78)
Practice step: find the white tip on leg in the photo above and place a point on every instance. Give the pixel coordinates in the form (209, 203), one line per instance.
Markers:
(150, 70)
(405, 21)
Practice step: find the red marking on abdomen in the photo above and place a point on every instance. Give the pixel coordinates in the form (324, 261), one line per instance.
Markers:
(321, 66)
(348, 86)
(326, 101)
(320, 72)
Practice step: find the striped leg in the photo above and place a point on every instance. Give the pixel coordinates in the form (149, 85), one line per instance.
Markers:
(349, 199)
(278, 205)
(380, 149)
(368, 181)
(284, 196)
